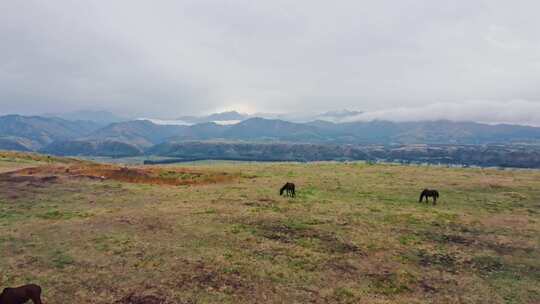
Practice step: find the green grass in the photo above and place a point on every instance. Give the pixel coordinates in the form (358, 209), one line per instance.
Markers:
(355, 234)
(61, 259)
(61, 215)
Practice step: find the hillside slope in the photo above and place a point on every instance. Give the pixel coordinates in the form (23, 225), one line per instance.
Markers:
(140, 133)
(109, 148)
(42, 131)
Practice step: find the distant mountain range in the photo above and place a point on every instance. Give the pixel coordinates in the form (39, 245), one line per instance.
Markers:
(137, 137)
(232, 117)
(99, 117)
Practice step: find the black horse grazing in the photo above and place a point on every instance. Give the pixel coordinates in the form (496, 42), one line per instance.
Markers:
(20, 295)
(288, 188)
(429, 193)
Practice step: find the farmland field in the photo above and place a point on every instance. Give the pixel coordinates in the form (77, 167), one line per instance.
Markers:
(219, 232)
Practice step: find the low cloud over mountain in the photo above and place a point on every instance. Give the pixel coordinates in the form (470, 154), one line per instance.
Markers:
(522, 112)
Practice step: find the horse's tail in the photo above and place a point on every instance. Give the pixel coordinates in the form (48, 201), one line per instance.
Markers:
(292, 190)
(437, 193)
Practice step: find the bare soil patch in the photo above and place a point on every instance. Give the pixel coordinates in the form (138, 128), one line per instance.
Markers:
(200, 275)
(140, 175)
(285, 233)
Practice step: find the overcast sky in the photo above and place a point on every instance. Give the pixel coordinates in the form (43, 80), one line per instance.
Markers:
(172, 58)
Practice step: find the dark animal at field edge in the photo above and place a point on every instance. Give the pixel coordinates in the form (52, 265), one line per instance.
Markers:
(21, 294)
(289, 190)
(426, 193)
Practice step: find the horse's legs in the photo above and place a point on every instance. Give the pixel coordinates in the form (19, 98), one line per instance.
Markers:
(36, 299)
(35, 296)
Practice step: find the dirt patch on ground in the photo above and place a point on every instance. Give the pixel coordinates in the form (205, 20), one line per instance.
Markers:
(390, 283)
(432, 284)
(506, 246)
(152, 224)
(14, 186)
(342, 268)
(140, 175)
(205, 277)
(445, 238)
(445, 260)
(485, 264)
(287, 233)
(29, 179)
(34, 176)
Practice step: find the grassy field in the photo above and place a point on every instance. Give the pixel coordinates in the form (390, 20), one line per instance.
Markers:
(220, 233)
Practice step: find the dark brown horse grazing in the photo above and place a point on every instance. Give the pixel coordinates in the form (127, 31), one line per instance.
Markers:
(21, 294)
(429, 193)
(288, 188)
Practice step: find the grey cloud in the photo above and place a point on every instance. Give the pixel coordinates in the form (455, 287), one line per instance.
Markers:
(170, 58)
